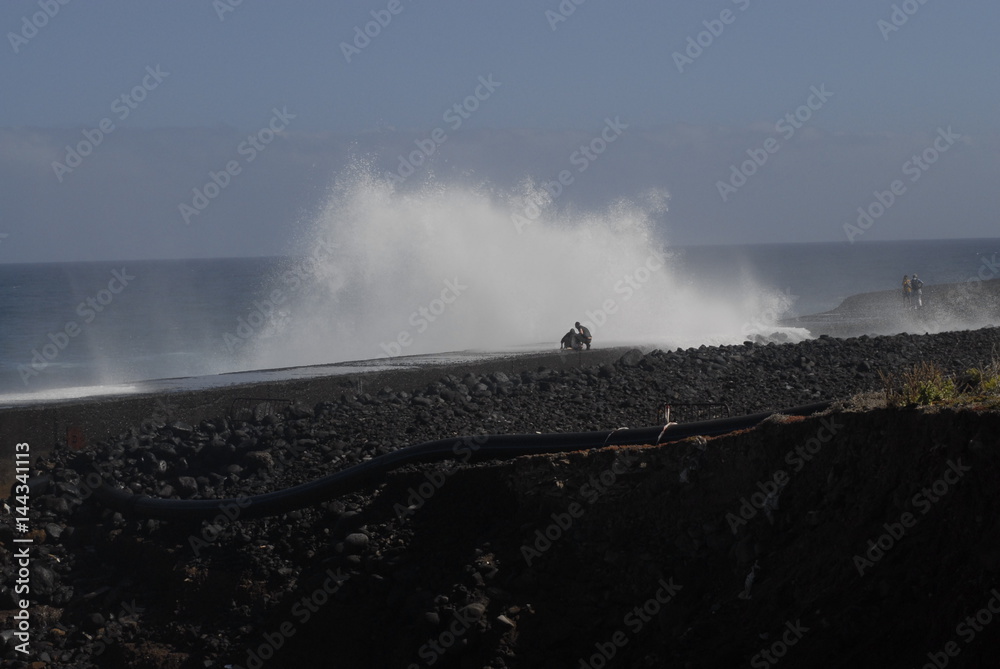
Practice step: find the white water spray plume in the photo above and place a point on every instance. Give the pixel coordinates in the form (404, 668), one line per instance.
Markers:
(444, 268)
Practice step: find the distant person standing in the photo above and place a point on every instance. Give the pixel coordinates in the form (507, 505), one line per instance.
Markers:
(916, 285)
(584, 334)
(906, 290)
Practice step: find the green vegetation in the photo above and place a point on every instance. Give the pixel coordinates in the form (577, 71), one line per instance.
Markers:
(927, 383)
(986, 379)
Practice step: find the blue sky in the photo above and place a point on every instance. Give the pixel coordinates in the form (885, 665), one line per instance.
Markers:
(227, 71)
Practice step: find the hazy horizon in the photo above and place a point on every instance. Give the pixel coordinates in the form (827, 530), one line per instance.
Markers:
(672, 247)
(220, 130)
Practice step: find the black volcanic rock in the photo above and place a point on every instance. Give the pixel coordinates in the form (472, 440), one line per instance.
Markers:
(436, 549)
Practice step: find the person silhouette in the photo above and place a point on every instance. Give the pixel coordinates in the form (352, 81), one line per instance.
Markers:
(571, 340)
(584, 334)
(915, 286)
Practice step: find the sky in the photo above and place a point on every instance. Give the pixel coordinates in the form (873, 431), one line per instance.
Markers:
(766, 122)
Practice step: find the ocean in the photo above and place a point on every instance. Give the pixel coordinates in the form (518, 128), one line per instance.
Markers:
(99, 324)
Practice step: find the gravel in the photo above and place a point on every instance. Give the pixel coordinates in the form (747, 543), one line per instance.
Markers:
(112, 591)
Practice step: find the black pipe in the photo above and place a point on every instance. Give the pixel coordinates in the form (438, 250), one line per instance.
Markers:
(467, 448)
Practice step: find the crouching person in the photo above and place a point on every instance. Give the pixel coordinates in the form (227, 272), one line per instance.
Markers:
(571, 340)
(584, 335)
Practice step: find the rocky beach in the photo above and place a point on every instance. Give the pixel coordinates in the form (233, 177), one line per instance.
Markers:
(500, 335)
(863, 536)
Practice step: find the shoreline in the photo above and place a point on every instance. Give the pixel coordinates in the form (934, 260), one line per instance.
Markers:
(947, 307)
(426, 540)
(86, 420)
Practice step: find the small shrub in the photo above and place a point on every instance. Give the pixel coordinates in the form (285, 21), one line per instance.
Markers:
(925, 383)
(986, 379)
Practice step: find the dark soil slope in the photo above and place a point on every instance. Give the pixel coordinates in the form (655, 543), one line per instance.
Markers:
(553, 584)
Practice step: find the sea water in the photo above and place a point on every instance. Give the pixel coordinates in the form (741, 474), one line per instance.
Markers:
(381, 274)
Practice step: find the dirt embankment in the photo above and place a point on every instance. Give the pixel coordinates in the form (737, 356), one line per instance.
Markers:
(615, 557)
(641, 556)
